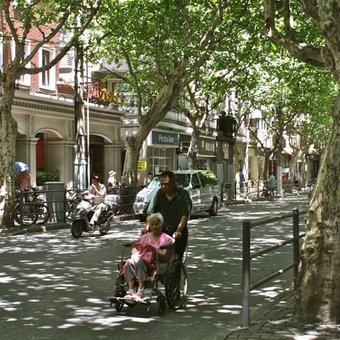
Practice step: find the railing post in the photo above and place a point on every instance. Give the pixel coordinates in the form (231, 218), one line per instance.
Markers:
(246, 274)
(296, 244)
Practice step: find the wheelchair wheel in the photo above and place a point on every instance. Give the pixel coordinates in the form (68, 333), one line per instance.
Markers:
(176, 285)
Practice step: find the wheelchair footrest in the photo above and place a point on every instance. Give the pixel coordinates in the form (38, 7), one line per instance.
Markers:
(130, 301)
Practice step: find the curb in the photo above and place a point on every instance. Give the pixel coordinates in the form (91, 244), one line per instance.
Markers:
(13, 231)
(32, 229)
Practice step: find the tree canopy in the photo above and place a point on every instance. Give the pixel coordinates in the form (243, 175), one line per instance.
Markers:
(41, 23)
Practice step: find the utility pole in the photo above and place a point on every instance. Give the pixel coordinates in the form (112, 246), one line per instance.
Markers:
(219, 159)
(231, 174)
(80, 160)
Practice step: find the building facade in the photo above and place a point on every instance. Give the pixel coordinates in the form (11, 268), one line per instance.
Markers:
(47, 127)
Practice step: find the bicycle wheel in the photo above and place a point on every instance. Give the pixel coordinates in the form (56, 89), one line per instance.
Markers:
(176, 285)
(43, 214)
(26, 214)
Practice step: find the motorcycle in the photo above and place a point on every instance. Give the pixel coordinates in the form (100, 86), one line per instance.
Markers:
(84, 211)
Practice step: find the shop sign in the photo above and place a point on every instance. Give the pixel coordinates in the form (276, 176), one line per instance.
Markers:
(165, 138)
(96, 94)
(142, 165)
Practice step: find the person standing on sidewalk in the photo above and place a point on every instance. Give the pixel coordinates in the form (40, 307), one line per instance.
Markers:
(24, 180)
(174, 204)
(242, 181)
(271, 186)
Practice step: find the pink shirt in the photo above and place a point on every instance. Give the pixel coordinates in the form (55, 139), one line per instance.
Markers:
(148, 253)
(24, 180)
(164, 240)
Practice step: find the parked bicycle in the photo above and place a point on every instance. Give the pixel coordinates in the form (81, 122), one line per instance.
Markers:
(30, 208)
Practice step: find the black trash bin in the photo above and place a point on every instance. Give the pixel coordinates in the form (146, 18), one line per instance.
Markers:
(55, 199)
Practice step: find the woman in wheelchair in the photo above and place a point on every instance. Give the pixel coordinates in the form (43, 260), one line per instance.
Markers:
(142, 261)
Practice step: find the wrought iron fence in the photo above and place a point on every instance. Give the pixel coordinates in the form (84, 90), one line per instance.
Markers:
(247, 256)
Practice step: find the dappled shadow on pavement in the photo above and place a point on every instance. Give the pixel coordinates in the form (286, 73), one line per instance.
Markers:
(277, 321)
(60, 286)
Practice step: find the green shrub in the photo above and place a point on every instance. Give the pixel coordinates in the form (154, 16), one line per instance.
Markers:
(48, 176)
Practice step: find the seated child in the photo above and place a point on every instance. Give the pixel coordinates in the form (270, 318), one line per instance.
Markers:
(143, 255)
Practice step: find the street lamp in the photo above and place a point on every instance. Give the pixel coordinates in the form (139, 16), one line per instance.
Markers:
(226, 132)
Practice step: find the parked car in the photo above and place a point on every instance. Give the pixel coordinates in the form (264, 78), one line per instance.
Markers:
(202, 186)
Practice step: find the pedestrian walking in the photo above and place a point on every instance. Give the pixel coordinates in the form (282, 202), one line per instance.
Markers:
(242, 181)
(174, 204)
(271, 186)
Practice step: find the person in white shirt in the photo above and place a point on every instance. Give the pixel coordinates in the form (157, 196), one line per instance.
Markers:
(98, 190)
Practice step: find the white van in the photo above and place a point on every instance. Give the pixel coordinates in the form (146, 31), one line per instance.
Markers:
(202, 186)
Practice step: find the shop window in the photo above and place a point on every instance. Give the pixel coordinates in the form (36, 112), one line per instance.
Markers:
(159, 159)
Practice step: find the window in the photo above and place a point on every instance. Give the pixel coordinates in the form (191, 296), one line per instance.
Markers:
(47, 77)
(195, 182)
(183, 180)
(46, 74)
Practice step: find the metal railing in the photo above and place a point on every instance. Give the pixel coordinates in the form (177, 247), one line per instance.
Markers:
(247, 287)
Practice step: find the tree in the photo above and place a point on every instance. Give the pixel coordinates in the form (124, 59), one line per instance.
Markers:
(42, 20)
(214, 85)
(309, 30)
(303, 92)
(165, 44)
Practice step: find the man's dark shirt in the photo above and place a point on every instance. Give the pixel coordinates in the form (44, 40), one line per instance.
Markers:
(173, 210)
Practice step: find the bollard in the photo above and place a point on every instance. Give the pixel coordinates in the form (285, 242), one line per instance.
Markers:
(246, 274)
(296, 244)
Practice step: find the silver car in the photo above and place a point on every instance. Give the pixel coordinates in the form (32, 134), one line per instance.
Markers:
(202, 186)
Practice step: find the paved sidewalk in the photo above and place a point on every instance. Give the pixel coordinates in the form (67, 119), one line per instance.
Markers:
(273, 320)
(276, 320)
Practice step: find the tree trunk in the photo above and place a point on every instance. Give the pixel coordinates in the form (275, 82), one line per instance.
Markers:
(166, 100)
(266, 166)
(8, 133)
(133, 146)
(192, 152)
(318, 295)
(293, 162)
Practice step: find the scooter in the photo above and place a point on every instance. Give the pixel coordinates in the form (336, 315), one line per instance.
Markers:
(85, 210)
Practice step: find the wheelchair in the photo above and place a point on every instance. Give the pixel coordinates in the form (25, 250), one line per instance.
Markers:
(167, 284)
